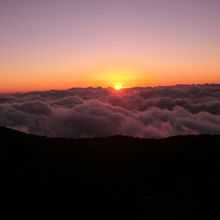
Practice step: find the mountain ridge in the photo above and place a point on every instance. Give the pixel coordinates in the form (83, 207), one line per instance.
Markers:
(109, 178)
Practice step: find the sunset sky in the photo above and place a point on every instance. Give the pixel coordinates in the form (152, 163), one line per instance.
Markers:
(58, 44)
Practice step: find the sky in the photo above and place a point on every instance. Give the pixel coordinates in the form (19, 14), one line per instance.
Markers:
(58, 44)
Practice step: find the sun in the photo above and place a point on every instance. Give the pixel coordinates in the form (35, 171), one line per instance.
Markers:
(117, 87)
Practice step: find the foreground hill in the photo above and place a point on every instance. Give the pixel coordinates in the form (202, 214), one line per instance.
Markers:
(109, 178)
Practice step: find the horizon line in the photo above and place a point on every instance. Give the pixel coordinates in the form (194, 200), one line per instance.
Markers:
(107, 87)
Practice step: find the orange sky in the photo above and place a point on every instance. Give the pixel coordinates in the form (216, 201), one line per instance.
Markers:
(63, 44)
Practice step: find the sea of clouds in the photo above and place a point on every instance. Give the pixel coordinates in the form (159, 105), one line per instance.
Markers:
(141, 112)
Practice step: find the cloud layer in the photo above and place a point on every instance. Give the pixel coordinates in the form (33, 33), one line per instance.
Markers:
(141, 112)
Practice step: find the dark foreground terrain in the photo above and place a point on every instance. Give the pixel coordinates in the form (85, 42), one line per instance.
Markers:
(109, 178)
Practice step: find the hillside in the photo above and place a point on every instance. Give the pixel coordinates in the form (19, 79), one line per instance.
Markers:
(109, 178)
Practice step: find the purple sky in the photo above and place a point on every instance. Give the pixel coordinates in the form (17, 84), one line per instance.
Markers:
(59, 43)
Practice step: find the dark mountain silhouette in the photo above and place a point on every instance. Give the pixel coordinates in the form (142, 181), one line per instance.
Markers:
(109, 178)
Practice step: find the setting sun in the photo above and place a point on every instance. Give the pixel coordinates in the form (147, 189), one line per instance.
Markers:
(117, 87)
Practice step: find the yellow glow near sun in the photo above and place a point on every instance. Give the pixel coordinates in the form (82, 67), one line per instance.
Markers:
(117, 86)
(117, 78)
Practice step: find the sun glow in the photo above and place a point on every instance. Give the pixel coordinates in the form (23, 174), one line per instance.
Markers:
(117, 87)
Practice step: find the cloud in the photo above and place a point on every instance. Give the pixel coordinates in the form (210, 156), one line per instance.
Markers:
(140, 112)
(34, 107)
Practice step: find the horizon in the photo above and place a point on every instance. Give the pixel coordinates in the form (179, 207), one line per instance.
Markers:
(108, 87)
